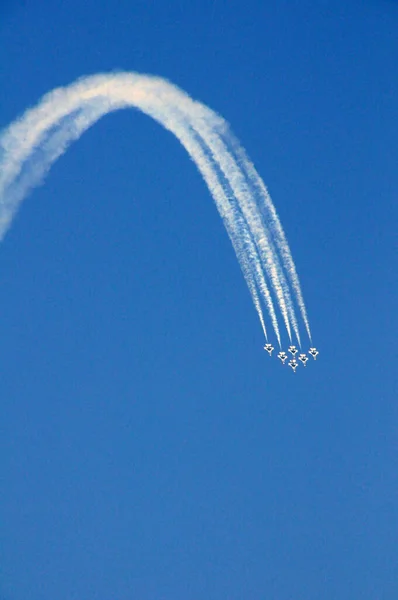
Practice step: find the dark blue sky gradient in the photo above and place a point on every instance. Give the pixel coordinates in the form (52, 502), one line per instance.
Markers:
(150, 449)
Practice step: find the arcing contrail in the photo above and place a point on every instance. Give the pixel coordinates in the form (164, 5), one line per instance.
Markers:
(30, 145)
(271, 216)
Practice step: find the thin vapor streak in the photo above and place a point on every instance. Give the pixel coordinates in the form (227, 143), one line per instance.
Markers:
(234, 224)
(263, 232)
(65, 113)
(266, 258)
(271, 216)
(253, 257)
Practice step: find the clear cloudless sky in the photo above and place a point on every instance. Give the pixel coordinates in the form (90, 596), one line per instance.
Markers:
(150, 449)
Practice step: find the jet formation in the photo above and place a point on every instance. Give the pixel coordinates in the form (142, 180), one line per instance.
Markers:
(293, 362)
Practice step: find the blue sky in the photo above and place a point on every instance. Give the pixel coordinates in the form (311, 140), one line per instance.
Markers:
(150, 449)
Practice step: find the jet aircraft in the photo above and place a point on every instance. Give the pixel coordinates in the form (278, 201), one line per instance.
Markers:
(314, 353)
(283, 357)
(268, 348)
(293, 364)
(303, 358)
(293, 350)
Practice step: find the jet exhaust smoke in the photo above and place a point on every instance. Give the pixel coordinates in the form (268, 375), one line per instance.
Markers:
(32, 143)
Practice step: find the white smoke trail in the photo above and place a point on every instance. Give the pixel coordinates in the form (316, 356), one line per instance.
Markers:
(264, 235)
(275, 226)
(251, 257)
(64, 114)
(266, 256)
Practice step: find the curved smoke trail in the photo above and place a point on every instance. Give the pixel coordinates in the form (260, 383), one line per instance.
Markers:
(270, 216)
(30, 145)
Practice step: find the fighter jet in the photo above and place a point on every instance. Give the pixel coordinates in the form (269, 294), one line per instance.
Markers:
(283, 357)
(293, 364)
(293, 350)
(303, 358)
(268, 348)
(314, 353)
